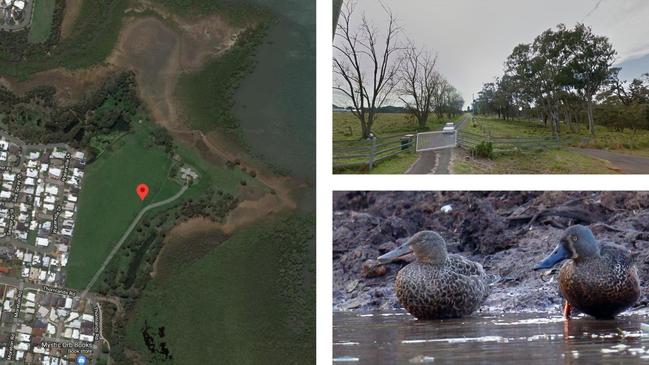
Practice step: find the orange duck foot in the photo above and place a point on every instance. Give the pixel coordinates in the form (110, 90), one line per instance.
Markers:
(567, 308)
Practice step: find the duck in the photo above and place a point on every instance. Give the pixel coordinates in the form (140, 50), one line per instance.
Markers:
(598, 279)
(437, 285)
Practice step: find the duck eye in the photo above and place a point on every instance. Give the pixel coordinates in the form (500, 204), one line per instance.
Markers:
(573, 238)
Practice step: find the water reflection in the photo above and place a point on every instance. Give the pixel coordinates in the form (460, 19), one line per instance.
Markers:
(387, 338)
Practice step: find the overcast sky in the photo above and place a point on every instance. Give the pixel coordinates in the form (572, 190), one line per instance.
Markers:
(474, 37)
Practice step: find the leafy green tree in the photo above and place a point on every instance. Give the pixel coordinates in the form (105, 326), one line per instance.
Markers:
(589, 64)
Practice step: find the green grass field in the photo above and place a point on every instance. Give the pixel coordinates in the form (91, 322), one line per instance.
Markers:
(251, 301)
(41, 26)
(394, 165)
(629, 141)
(555, 161)
(558, 161)
(108, 202)
(346, 127)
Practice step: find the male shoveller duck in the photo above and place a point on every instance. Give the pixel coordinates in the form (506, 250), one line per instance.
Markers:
(600, 280)
(437, 284)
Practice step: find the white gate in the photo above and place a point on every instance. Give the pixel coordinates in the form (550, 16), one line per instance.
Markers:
(430, 141)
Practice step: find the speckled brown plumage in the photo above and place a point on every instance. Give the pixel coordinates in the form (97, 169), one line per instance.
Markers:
(601, 286)
(432, 291)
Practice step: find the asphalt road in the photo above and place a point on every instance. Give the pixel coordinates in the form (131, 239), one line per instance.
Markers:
(434, 162)
(127, 233)
(626, 164)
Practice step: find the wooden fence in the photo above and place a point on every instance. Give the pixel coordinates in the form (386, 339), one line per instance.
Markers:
(368, 153)
(469, 140)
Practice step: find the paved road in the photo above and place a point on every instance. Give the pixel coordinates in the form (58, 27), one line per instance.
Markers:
(627, 164)
(435, 162)
(127, 233)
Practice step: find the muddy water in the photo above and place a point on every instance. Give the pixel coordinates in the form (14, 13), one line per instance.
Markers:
(275, 104)
(396, 338)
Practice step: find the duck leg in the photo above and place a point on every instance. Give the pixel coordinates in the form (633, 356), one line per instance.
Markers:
(567, 308)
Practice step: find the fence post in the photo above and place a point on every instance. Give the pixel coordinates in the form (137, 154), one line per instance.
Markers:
(372, 153)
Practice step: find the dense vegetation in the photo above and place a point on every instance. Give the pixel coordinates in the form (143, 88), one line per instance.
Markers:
(91, 41)
(16, 46)
(129, 272)
(238, 12)
(36, 118)
(253, 302)
(567, 75)
(207, 95)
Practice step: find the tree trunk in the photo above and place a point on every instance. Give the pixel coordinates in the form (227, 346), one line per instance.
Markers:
(422, 120)
(364, 130)
(370, 122)
(591, 122)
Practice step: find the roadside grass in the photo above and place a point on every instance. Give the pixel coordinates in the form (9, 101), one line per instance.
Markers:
(510, 128)
(554, 161)
(398, 164)
(41, 26)
(254, 288)
(558, 161)
(628, 141)
(108, 202)
(347, 128)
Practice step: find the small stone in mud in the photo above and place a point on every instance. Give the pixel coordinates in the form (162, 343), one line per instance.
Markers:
(387, 247)
(351, 286)
(372, 269)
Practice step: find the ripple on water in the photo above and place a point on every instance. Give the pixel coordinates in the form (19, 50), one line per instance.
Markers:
(388, 338)
(421, 359)
(458, 340)
(346, 359)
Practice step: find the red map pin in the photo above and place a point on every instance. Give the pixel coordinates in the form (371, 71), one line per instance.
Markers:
(142, 191)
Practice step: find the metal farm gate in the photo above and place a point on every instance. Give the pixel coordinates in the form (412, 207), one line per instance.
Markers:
(431, 141)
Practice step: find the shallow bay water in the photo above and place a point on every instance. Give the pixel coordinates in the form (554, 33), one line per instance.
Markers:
(529, 338)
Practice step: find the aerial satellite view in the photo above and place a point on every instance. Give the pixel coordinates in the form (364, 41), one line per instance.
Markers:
(157, 203)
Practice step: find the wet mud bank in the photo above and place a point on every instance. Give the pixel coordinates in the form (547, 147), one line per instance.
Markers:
(507, 232)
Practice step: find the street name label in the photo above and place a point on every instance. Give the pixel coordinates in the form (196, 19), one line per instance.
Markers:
(67, 345)
(61, 291)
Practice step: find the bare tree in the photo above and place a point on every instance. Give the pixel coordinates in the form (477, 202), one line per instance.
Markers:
(420, 83)
(365, 65)
(440, 97)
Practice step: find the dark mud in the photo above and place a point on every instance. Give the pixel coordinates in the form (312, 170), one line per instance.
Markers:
(508, 232)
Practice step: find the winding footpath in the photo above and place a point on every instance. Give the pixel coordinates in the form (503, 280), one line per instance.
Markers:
(127, 233)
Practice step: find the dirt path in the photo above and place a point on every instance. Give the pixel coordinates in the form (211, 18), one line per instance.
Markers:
(623, 163)
(72, 10)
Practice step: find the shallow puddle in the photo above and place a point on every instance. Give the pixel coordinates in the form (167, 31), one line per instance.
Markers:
(396, 337)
